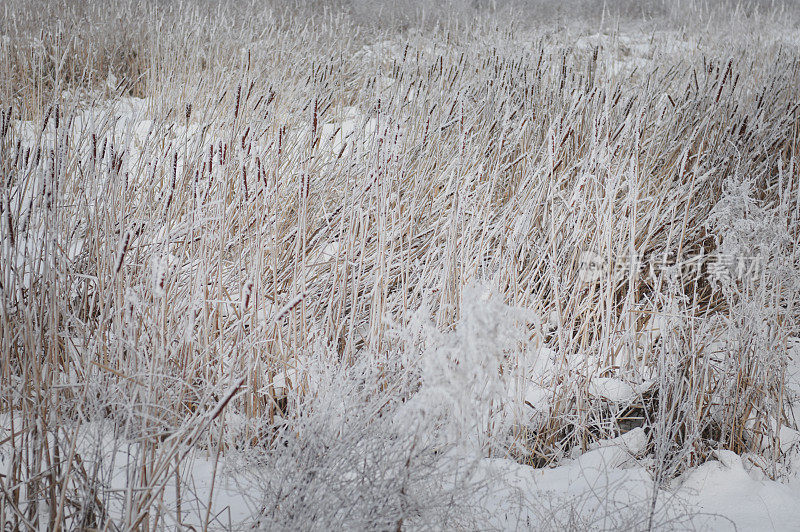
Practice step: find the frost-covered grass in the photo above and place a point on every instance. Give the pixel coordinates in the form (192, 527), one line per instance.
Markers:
(325, 267)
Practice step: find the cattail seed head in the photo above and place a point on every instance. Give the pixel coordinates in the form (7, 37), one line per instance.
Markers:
(238, 102)
(123, 250)
(248, 292)
(46, 118)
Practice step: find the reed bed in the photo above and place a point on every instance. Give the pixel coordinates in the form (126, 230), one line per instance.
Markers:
(208, 209)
